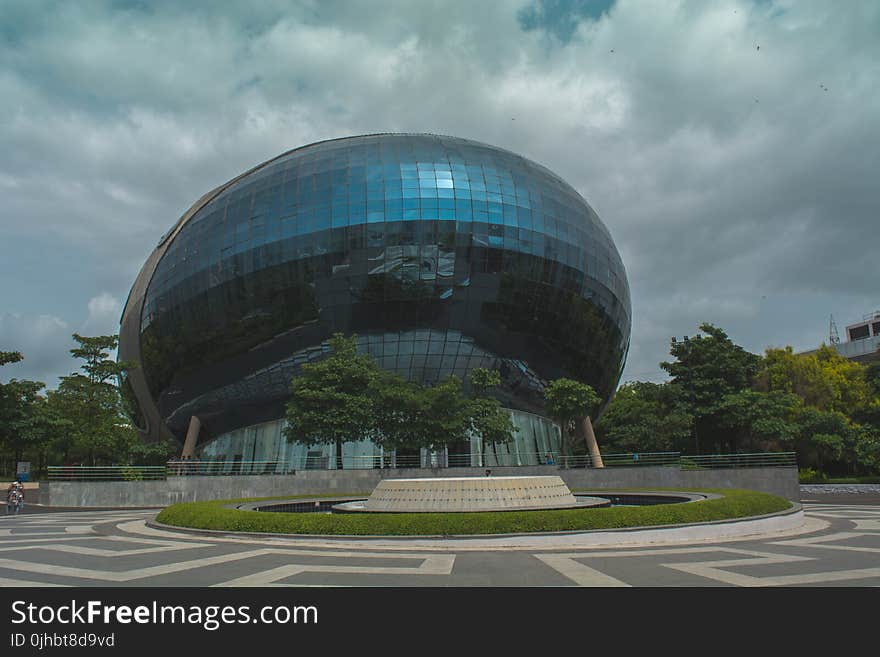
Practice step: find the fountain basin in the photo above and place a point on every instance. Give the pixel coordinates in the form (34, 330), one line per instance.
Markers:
(468, 494)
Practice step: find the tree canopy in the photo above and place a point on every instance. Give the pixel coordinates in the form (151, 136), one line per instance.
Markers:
(81, 421)
(569, 402)
(347, 397)
(646, 417)
(723, 399)
(330, 400)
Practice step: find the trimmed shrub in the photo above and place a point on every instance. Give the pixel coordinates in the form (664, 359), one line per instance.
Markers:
(214, 515)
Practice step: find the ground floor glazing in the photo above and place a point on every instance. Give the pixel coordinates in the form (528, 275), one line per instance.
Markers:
(262, 448)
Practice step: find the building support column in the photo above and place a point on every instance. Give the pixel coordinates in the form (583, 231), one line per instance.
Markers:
(592, 445)
(192, 437)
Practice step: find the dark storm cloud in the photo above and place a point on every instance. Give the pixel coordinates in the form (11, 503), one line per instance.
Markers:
(737, 182)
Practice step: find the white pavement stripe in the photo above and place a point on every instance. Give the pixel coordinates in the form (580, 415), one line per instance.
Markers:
(832, 576)
(846, 514)
(126, 575)
(41, 543)
(5, 581)
(826, 542)
(72, 529)
(568, 564)
(109, 553)
(63, 541)
(580, 574)
(152, 541)
(165, 569)
(715, 569)
(664, 551)
(868, 525)
(281, 547)
(433, 565)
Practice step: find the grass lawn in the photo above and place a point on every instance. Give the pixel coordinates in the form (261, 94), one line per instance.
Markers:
(214, 515)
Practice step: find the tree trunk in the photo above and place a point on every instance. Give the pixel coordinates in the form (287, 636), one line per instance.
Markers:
(339, 465)
(592, 445)
(563, 444)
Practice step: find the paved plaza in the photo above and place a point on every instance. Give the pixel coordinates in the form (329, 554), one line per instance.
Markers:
(839, 545)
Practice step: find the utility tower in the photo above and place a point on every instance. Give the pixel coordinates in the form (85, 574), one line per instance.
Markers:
(833, 337)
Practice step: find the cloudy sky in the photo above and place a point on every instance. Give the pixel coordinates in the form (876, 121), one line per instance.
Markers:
(732, 147)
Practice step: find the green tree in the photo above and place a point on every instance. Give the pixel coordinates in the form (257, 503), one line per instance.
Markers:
(872, 377)
(707, 368)
(821, 437)
(446, 419)
(487, 418)
(20, 427)
(572, 403)
(7, 357)
(823, 379)
(841, 406)
(53, 429)
(91, 404)
(157, 453)
(757, 421)
(10, 399)
(20, 412)
(330, 400)
(397, 409)
(646, 417)
(866, 448)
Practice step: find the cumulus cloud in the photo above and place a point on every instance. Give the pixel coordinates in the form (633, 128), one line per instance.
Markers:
(103, 317)
(737, 182)
(43, 341)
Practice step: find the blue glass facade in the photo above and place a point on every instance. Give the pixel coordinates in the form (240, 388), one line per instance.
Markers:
(441, 254)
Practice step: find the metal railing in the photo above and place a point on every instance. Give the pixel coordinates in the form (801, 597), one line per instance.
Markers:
(197, 467)
(757, 460)
(629, 460)
(106, 472)
(222, 467)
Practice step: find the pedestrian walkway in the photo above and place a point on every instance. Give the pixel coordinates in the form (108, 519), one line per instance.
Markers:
(836, 545)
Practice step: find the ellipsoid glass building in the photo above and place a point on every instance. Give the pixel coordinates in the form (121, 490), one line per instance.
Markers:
(441, 254)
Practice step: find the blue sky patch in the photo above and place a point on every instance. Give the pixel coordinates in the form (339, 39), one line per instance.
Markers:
(561, 18)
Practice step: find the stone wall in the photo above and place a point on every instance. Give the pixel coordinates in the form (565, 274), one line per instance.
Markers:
(781, 481)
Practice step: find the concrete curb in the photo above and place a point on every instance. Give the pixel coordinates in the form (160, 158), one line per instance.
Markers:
(782, 521)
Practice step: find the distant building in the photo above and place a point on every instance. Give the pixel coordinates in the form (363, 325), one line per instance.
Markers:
(862, 340)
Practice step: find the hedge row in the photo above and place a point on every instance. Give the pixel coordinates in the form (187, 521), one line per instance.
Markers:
(214, 515)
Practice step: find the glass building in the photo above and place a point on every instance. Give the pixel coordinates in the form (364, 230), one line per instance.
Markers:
(441, 254)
